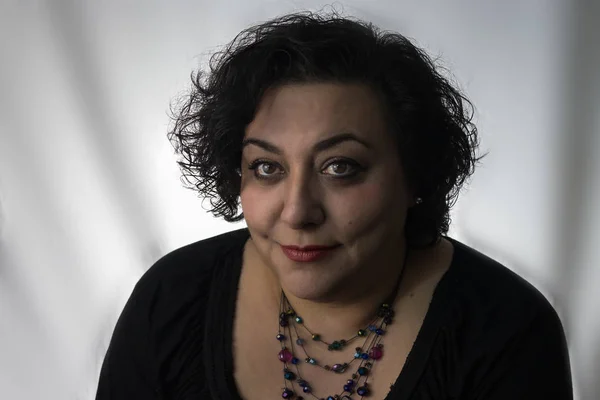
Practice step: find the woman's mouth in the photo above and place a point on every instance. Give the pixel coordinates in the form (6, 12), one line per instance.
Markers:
(307, 253)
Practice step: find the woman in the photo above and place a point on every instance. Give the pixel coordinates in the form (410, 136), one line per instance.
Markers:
(346, 149)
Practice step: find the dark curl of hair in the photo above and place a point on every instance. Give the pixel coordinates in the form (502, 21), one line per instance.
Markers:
(430, 119)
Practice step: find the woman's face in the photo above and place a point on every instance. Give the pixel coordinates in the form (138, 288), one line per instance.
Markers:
(319, 168)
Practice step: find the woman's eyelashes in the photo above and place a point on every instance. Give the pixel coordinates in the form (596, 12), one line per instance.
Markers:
(264, 170)
(339, 168)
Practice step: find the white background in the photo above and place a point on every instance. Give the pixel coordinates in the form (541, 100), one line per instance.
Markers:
(90, 194)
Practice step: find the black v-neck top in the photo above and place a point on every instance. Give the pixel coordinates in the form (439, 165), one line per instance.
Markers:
(488, 334)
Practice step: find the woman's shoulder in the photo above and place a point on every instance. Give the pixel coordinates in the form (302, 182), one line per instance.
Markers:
(505, 334)
(491, 304)
(176, 288)
(194, 263)
(156, 341)
(484, 281)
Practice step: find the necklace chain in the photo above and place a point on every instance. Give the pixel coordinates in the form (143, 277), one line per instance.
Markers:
(367, 355)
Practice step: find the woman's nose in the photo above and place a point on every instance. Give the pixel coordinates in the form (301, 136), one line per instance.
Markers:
(302, 202)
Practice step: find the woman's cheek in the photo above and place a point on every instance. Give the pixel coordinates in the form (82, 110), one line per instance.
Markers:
(257, 204)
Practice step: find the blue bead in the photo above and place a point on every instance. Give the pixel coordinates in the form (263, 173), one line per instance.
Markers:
(379, 331)
(372, 328)
(347, 388)
(364, 356)
(280, 337)
(290, 376)
(362, 371)
(300, 342)
(306, 389)
(357, 355)
(295, 360)
(362, 391)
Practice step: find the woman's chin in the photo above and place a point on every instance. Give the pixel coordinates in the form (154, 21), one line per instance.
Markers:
(311, 287)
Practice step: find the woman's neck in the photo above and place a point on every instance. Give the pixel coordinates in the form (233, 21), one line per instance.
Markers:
(338, 319)
(342, 312)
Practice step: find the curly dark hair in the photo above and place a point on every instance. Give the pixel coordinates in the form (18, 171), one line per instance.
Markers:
(431, 119)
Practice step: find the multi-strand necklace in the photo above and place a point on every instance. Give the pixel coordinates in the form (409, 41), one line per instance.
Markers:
(365, 356)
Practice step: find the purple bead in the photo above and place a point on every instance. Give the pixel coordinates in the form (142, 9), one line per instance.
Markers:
(376, 353)
(285, 356)
(287, 394)
(338, 368)
(347, 388)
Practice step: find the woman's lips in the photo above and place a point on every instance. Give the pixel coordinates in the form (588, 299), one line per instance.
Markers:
(307, 253)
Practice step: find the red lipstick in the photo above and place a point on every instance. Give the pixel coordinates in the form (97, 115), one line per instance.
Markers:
(306, 253)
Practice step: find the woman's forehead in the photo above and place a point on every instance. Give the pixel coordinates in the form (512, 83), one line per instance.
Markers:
(314, 112)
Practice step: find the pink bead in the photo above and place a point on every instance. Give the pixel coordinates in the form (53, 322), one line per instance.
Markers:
(285, 356)
(376, 353)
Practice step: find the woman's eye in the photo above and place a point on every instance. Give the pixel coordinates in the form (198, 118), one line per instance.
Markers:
(266, 169)
(340, 169)
(263, 169)
(335, 169)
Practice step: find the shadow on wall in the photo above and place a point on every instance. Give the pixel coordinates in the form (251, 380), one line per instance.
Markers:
(105, 133)
(2, 217)
(581, 100)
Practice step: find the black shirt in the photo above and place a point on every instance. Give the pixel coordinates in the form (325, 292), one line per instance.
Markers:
(488, 334)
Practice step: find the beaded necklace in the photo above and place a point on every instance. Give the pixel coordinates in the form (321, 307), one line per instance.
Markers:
(365, 355)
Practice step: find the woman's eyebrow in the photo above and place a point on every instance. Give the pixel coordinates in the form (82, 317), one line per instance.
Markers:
(318, 147)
